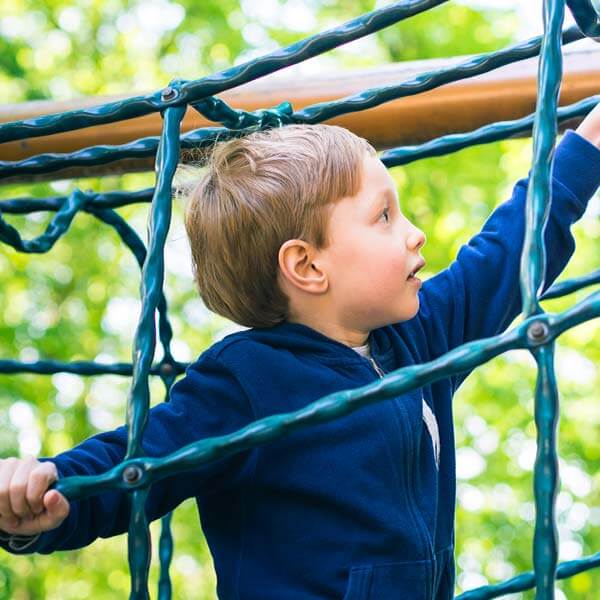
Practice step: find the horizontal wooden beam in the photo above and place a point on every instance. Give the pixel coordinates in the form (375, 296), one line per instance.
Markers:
(503, 94)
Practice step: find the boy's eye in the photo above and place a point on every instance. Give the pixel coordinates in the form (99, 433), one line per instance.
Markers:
(386, 214)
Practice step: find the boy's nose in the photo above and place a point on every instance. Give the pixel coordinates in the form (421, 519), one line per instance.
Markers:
(416, 240)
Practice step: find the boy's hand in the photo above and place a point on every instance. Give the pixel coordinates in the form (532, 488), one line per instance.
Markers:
(26, 505)
(589, 128)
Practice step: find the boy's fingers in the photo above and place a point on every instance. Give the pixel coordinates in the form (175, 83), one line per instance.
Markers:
(18, 488)
(39, 480)
(27, 506)
(7, 468)
(57, 509)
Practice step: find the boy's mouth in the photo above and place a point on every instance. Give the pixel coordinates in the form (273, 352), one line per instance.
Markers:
(418, 267)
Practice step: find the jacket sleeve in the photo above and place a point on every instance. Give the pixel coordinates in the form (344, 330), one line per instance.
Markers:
(479, 294)
(208, 401)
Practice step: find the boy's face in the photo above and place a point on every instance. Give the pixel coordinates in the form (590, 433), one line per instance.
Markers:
(373, 250)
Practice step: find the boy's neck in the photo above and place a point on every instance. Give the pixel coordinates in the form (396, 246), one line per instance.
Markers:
(349, 337)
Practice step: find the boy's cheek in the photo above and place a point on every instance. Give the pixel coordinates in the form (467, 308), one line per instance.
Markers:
(398, 264)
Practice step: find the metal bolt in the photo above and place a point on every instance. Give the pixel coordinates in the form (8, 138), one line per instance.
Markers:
(538, 332)
(167, 369)
(132, 474)
(168, 93)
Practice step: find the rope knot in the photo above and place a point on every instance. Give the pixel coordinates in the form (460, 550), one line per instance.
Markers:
(218, 110)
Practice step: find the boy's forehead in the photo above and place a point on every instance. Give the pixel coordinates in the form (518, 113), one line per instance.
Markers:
(376, 186)
(374, 170)
(376, 182)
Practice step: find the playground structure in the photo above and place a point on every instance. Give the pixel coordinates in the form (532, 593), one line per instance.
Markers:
(537, 332)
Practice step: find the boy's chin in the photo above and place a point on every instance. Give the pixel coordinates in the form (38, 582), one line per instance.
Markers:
(409, 313)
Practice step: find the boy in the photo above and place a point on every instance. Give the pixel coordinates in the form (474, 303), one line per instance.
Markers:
(296, 233)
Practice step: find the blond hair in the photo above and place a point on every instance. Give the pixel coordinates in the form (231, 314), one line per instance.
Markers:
(257, 192)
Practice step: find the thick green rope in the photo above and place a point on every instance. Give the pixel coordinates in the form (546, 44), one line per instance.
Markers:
(537, 332)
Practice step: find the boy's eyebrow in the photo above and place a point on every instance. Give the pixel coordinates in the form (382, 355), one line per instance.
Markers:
(381, 197)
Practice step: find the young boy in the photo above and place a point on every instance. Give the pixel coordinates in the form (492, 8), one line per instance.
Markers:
(296, 233)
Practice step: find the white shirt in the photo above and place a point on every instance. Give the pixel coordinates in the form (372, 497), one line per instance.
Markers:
(428, 416)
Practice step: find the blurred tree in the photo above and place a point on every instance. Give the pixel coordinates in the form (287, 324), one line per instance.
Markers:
(81, 300)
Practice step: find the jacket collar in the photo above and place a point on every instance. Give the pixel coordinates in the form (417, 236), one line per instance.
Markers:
(303, 339)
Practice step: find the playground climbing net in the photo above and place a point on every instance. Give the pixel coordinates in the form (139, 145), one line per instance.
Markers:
(536, 333)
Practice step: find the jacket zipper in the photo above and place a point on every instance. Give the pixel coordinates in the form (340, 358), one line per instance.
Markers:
(377, 368)
(422, 526)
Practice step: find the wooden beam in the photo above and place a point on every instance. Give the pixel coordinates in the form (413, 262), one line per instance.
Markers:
(503, 94)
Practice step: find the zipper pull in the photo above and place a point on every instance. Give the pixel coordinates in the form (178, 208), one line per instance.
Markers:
(378, 370)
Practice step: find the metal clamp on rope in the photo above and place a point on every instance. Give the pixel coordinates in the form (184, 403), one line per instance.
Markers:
(132, 474)
(169, 93)
(167, 369)
(538, 333)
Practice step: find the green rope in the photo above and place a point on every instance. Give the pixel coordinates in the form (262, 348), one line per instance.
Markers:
(537, 332)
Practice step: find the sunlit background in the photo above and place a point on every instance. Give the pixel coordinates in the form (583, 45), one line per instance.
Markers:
(81, 300)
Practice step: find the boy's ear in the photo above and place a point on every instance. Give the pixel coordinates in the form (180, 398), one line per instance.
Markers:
(300, 268)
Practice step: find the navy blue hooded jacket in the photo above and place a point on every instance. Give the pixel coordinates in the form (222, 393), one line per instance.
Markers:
(355, 508)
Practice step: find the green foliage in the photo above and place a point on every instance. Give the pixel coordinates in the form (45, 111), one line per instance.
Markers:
(81, 300)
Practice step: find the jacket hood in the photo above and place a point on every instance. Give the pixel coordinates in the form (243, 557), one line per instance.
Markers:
(303, 339)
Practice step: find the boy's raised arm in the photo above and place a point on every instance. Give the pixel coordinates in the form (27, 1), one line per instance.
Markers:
(479, 294)
(207, 402)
